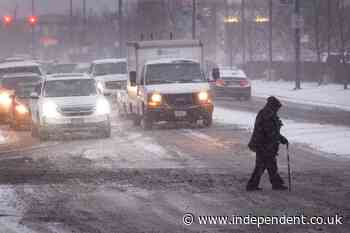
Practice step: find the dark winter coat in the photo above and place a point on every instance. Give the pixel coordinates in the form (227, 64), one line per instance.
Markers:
(266, 135)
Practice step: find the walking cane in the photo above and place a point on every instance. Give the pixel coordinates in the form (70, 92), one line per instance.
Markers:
(289, 175)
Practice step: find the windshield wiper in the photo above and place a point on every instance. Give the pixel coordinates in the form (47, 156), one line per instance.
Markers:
(189, 80)
(160, 81)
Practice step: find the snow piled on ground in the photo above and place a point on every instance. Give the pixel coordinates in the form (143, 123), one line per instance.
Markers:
(3, 139)
(330, 95)
(326, 138)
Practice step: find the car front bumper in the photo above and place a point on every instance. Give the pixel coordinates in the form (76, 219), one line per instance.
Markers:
(232, 91)
(75, 124)
(190, 113)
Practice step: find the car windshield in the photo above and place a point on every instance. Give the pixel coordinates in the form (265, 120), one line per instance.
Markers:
(174, 73)
(110, 68)
(21, 69)
(62, 68)
(70, 87)
(23, 86)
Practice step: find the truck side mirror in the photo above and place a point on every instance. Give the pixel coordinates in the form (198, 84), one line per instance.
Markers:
(34, 95)
(215, 74)
(132, 78)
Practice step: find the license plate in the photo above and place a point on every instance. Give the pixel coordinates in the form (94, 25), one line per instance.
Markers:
(77, 121)
(180, 113)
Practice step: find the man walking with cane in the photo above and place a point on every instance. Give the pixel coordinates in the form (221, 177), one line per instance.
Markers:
(265, 143)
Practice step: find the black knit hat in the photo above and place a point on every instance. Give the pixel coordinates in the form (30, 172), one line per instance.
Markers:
(273, 101)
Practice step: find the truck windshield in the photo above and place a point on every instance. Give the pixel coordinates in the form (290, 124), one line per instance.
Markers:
(110, 68)
(70, 87)
(174, 73)
(23, 86)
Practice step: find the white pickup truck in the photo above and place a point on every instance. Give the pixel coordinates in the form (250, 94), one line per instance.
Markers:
(166, 83)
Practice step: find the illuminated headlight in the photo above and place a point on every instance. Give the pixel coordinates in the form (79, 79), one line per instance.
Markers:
(156, 98)
(103, 107)
(21, 109)
(5, 99)
(100, 87)
(203, 96)
(50, 109)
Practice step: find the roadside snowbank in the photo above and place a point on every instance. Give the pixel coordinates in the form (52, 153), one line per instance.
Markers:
(326, 138)
(331, 95)
(3, 139)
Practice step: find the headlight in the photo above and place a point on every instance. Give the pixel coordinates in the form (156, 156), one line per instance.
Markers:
(5, 99)
(203, 96)
(157, 98)
(100, 87)
(50, 109)
(21, 109)
(103, 107)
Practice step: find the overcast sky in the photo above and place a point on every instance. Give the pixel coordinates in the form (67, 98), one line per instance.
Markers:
(52, 6)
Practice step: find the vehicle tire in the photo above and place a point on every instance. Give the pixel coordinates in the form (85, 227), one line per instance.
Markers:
(34, 130)
(15, 126)
(136, 120)
(43, 135)
(208, 121)
(106, 133)
(146, 123)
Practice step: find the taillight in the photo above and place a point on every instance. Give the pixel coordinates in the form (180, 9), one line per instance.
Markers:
(244, 83)
(220, 82)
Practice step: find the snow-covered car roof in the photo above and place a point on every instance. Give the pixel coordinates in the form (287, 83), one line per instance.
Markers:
(234, 73)
(109, 60)
(67, 75)
(170, 61)
(20, 75)
(18, 64)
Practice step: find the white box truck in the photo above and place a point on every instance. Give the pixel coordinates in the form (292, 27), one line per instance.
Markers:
(166, 83)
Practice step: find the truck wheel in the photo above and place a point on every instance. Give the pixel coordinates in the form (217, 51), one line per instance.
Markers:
(106, 133)
(146, 123)
(136, 120)
(208, 121)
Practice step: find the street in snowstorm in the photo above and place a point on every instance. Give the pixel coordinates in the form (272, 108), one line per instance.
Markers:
(174, 116)
(139, 181)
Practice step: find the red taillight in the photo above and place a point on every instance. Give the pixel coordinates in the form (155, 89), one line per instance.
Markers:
(244, 83)
(220, 82)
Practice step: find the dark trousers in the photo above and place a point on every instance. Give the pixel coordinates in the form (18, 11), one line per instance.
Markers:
(265, 162)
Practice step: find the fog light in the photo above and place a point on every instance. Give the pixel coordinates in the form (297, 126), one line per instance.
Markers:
(21, 109)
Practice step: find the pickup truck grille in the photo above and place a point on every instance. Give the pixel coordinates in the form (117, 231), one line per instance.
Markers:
(115, 85)
(77, 110)
(179, 100)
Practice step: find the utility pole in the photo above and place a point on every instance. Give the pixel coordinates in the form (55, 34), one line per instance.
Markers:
(71, 23)
(194, 18)
(121, 28)
(33, 31)
(243, 31)
(83, 39)
(329, 27)
(297, 25)
(270, 38)
(84, 13)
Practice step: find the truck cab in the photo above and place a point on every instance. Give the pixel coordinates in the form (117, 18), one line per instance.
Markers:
(166, 83)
